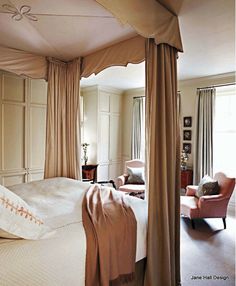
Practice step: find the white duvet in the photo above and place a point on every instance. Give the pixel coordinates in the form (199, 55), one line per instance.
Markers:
(59, 258)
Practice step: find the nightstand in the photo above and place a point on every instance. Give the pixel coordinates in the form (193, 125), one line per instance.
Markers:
(186, 178)
(89, 173)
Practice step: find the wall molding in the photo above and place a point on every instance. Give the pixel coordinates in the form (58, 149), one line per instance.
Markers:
(202, 81)
(97, 88)
(135, 91)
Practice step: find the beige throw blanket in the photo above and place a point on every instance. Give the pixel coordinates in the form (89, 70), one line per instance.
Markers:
(110, 228)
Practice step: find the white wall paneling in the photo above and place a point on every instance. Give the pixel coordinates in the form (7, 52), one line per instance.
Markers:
(22, 128)
(102, 129)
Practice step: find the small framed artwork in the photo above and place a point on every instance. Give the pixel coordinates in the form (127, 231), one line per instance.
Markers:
(188, 121)
(187, 135)
(187, 147)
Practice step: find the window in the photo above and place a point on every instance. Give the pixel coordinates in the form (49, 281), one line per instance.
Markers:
(224, 132)
(138, 129)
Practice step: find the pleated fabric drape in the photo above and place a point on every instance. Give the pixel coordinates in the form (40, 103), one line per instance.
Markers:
(138, 130)
(203, 155)
(163, 166)
(63, 120)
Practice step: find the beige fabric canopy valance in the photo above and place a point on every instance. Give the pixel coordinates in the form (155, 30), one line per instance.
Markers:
(150, 18)
(129, 51)
(23, 63)
(34, 66)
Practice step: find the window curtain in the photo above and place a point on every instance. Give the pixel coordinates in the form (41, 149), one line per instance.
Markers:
(163, 166)
(63, 119)
(138, 130)
(203, 154)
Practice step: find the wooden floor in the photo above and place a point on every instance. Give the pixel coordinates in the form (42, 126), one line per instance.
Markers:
(208, 252)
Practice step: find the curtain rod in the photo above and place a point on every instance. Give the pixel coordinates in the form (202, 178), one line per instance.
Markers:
(141, 96)
(217, 85)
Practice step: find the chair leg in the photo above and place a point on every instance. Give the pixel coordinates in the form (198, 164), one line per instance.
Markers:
(193, 224)
(224, 222)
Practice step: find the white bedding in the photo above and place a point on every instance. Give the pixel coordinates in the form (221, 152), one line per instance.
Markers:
(59, 258)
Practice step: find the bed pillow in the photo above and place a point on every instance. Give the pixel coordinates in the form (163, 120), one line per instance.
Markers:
(207, 186)
(17, 219)
(135, 175)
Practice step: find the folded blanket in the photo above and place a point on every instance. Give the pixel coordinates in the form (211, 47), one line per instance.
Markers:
(110, 228)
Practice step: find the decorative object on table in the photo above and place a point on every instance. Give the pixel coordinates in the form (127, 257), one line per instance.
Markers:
(188, 121)
(85, 149)
(187, 135)
(183, 160)
(187, 147)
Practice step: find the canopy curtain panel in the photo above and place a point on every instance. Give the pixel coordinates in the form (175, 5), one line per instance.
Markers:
(63, 120)
(203, 155)
(156, 21)
(138, 130)
(163, 161)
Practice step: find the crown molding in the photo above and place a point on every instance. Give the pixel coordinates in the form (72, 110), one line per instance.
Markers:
(98, 88)
(215, 79)
(135, 91)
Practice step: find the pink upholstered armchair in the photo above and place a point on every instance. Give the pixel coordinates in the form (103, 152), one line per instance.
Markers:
(213, 206)
(121, 181)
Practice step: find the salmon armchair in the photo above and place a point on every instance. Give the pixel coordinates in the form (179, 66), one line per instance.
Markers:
(213, 206)
(122, 181)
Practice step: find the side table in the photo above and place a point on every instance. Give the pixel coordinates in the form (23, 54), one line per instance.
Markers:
(186, 178)
(89, 173)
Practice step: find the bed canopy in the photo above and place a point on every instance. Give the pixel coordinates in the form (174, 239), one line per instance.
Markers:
(62, 41)
(149, 19)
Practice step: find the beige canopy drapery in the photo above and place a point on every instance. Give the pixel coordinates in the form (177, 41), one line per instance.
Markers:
(163, 166)
(150, 18)
(63, 120)
(120, 54)
(23, 63)
(34, 66)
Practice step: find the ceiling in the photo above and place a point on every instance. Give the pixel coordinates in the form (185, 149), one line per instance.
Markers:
(208, 35)
(66, 29)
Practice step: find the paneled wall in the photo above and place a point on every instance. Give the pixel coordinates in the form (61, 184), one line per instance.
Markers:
(22, 128)
(102, 129)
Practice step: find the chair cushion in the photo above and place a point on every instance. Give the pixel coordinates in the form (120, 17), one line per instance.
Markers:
(132, 188)
(207, 186)
(189, 206)
(136, 175)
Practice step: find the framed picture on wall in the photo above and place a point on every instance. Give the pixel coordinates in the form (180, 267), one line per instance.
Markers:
(187, 135)
(187, 147)
(188, 121)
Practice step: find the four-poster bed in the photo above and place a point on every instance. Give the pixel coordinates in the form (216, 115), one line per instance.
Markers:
(157, 43)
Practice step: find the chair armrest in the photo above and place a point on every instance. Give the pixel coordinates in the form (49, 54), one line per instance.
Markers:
(215, 198)
(120, 181)
(205, 201)
(213, 206)
(191, 190)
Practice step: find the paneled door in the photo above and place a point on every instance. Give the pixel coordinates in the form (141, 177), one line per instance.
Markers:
(22, 129)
